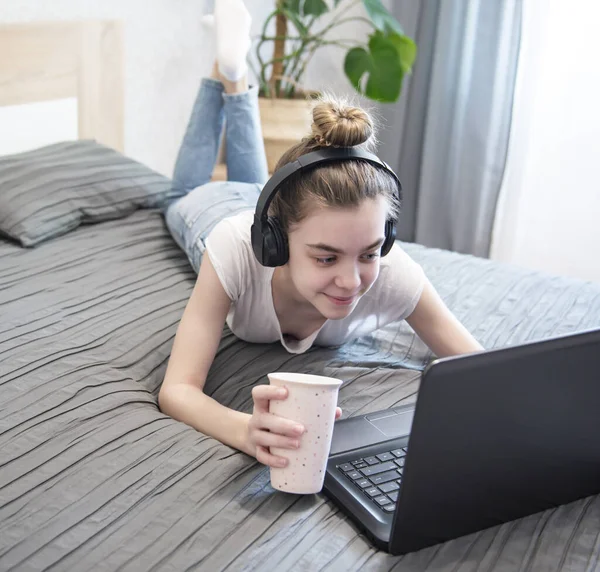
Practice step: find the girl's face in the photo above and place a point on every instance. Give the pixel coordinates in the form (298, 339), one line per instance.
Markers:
(334, 255)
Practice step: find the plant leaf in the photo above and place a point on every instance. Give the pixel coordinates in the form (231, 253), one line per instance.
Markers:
(294, 18)
(381, 18)
(293, 6)
(314, 8)
(356, 64)
(382, 64)
(407, 50)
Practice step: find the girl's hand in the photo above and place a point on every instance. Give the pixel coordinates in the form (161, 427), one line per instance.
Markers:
(267, 430)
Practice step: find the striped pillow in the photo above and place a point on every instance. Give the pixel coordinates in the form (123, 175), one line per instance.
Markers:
(52, 190)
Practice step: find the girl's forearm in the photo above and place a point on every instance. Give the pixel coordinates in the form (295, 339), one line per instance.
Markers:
(435, 324)
(452, 338)
(193, 407)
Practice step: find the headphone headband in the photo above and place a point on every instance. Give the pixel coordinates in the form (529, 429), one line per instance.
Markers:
(313, 159)
(269, 241)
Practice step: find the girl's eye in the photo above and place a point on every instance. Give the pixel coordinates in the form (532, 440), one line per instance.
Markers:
(327, 260)
(371, 256)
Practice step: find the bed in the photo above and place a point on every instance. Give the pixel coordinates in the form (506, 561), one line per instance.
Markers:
(94, 477)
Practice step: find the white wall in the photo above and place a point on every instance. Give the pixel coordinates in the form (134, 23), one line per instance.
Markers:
(166, 53)
(20, 124)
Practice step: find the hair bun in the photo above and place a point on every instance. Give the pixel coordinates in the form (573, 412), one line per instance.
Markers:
(339, 124)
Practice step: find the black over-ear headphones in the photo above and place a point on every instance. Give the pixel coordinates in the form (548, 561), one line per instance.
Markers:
(268, 238)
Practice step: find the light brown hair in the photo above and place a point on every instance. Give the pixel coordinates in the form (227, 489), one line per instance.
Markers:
(336, 123)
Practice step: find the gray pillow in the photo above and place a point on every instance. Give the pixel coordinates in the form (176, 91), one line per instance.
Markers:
(51, 190)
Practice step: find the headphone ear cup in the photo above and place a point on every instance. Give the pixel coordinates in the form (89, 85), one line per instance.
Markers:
(275, 245)
(390, 237)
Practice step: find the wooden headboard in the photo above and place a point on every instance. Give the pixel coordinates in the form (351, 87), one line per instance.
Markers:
(56, 60)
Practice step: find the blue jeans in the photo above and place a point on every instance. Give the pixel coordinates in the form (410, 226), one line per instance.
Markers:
(191, 218)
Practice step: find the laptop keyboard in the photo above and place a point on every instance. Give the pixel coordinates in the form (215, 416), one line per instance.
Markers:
(377, 477)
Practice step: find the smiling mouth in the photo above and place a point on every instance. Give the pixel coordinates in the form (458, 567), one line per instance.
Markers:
(342, 301)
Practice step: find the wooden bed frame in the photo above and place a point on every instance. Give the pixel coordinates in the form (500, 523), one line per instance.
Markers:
(55, 60)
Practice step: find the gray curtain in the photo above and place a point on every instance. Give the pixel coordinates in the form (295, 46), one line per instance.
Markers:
(448, 135)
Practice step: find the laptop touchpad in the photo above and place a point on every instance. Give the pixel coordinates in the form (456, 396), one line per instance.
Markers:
(392, 423)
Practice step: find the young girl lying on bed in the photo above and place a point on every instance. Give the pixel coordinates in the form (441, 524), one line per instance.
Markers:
(333, 218)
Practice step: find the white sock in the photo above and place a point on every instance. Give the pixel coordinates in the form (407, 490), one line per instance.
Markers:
(232, 25)
(208, 23)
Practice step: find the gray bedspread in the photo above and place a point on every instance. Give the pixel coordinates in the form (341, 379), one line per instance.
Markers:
(94, 477)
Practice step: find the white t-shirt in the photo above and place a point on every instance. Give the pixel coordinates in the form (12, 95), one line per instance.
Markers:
(252, 316)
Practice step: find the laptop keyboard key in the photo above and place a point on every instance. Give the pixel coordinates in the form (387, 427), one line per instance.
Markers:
(381, 501)
(384, 472)
(389, 487)
(384, 477)
(376, 469)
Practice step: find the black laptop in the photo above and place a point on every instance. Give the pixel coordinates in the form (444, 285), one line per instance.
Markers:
(494, 436)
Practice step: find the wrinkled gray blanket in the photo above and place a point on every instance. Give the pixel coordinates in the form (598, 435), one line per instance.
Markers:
(94, 477)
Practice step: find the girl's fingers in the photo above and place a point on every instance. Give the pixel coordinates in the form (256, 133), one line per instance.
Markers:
(266, 439)
(277, 432)
(262, 394)
(271, 430)
(280, 425)
(264, 456)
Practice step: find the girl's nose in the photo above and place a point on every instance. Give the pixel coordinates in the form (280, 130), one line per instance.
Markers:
(349, 278)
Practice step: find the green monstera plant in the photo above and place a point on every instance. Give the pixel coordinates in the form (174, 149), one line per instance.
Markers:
(375, 68)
